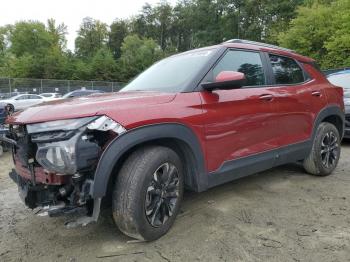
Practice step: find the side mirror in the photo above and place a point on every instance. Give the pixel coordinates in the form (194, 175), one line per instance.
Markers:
(226, 80)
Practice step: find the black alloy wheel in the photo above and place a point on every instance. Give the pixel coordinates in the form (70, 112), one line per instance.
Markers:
(162, 194)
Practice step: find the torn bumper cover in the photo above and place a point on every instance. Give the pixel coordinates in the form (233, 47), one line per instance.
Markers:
(55, 164)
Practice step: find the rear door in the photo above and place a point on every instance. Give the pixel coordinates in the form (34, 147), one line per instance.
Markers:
(298, 98)
(239, 122)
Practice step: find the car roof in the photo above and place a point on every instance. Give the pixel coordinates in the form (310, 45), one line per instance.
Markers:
(343, 72)
(256, 46)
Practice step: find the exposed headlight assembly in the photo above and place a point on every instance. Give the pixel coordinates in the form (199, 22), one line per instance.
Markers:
(58, 125)
(76, 152)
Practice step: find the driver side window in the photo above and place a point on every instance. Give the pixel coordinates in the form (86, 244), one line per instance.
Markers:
(245, 62)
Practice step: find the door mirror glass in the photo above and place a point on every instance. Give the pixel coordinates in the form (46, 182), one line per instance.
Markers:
(226, 80)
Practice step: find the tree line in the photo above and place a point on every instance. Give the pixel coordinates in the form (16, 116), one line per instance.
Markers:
(121, 50)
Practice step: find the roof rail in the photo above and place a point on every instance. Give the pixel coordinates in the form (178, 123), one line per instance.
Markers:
(242, 41)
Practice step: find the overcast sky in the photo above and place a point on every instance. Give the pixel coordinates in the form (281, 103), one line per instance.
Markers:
(70, 12)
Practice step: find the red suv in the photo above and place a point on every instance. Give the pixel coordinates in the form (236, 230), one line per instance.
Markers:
(194, 120)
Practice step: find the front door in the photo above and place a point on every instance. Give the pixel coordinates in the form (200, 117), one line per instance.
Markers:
(239, 122)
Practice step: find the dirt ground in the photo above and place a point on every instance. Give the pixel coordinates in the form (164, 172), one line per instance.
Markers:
(279, 215)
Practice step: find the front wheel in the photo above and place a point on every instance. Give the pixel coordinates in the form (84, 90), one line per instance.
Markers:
(148, 193)
(325, 153)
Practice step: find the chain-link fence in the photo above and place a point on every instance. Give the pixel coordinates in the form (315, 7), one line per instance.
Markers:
(39, 86)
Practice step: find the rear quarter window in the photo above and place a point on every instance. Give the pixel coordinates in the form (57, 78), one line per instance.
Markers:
(286, 70)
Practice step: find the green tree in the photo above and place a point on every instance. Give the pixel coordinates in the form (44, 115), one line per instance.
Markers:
(92, 36)
(118, 31)
(29, 37)
(338, 45)
(137, 54)
(3, 43)
(322, 32)
(103, 66)
(57, 33)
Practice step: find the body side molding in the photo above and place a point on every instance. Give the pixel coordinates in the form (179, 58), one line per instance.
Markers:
(242, 167)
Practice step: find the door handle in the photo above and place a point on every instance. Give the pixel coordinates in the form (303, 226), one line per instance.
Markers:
(316, 93)
(266, 97)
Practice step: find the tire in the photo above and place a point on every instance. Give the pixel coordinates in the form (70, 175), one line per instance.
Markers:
(323, 158)
(138, 192)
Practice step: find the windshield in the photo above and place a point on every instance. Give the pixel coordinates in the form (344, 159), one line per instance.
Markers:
(342, 80)
(172, 74)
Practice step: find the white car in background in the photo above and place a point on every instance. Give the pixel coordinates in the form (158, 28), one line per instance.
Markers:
(24, 101)
(342, 79)
(51, 96)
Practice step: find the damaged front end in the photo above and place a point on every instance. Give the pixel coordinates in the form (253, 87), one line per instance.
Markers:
(55, 164)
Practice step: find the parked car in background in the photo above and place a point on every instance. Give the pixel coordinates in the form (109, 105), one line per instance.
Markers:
(51, 96)
(78, 93)
(342, 79)
(20, 102)
(193, 120)
(9, 95)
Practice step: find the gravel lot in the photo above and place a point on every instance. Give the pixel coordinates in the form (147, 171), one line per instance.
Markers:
(279, 215)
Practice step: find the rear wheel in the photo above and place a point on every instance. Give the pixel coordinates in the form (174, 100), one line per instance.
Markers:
(325, 152)
(148, 193)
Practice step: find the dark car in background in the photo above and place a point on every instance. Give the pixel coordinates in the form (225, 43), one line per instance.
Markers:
(342, 79)
(78, 93)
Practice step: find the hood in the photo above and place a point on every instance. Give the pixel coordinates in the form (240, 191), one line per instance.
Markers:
(97, 104)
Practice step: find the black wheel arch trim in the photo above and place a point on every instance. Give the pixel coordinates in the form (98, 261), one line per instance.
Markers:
(333, 110)
(123, 143)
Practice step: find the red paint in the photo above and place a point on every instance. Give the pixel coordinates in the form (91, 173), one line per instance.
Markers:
(229, 124)
(41, 176)
(226, 76)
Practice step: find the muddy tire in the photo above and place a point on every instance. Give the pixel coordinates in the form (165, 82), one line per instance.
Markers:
(325, 152)
(148, 193)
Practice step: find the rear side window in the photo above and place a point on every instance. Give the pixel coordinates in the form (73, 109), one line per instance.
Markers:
(245, 62)
(34, 97)
(286, 70)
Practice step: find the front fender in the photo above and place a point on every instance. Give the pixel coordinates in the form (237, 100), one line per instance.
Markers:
(123, 143)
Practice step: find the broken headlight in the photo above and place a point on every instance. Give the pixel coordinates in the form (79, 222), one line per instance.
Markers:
(65, 125)
(66, 146)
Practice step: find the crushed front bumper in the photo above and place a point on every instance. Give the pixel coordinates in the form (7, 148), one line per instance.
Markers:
(30, 194)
